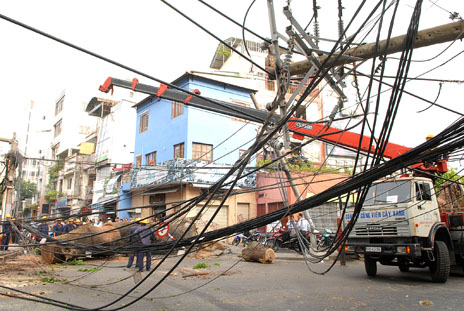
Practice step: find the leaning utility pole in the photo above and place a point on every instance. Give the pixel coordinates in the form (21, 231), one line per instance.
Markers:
(9, 189)
(426, 37)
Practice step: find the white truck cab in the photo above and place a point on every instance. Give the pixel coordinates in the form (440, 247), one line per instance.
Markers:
(400, 224)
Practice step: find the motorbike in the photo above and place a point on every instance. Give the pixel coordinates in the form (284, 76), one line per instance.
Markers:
(326, 239)
(239, 238)
(285, 239)
(247, 237)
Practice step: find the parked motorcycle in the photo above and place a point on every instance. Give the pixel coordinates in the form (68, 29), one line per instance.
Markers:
(326, 239)
(239, 238)
(249, 236)
(284, 239)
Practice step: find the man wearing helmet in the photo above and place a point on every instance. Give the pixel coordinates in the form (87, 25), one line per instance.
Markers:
(6, 231)
(43, 227)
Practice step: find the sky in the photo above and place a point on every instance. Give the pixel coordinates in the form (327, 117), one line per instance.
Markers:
(152, 38)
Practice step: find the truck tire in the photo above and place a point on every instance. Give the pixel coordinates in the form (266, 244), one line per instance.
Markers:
(370, 265)
(403, 268)
(440, 268)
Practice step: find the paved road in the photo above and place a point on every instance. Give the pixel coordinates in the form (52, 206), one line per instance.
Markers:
(285, 285)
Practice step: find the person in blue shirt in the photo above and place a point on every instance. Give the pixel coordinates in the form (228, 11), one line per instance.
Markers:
(146, 235)
(6, 231)
(57, 228)
(133, 241)
(43, 227)
(69, 226)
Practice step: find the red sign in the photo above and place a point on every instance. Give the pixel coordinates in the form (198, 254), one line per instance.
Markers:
(162, 232)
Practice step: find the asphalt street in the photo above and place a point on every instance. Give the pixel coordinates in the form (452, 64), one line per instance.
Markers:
(288, 284)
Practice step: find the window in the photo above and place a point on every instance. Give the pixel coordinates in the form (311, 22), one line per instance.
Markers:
(423, 192)
(177, 109)
(179, 151)
(202, 152)
(150, 158)
(70, 183)
(55, 150)
(138, 161)
(57, 127)
(388, 193)
(59, 106)
(143, 122)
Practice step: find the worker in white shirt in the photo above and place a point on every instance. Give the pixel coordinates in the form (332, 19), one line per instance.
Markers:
(303, 224)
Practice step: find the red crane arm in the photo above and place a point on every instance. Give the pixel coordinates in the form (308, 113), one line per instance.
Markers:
(301, 128)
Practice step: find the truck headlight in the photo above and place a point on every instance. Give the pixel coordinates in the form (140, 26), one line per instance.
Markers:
(403, 250)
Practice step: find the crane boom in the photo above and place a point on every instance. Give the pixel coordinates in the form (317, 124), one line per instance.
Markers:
(299, 127)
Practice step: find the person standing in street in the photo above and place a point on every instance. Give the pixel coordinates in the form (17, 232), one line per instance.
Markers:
(57, 228)
(69, 226)
(43, 227)
(146, 235)
(6, 231)
(303, 224)
(133, 241)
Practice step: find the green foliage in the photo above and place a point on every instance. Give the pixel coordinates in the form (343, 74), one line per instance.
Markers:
(88, 270)
(54, 170)
(217, 264)
(200, 265)
(223, 50)
(74, 262)
(28, 189)
(53, 173)
(49, 280)
(299, 165)
(452, 175)
(51, 195)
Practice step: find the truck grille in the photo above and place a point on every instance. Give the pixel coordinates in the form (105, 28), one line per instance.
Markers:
(400, 229)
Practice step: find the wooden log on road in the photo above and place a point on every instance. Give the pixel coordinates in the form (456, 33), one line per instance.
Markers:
(258, 253)
(53, 253)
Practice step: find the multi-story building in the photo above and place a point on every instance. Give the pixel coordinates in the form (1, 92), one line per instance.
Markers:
(113, 152)
(228, 66)
(71, 126)
(180, 151)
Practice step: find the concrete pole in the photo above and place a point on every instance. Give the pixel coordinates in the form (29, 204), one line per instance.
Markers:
(7, 198)
(426, 37)
(297, 194)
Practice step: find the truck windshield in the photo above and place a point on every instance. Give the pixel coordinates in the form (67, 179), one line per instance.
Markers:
(389, 192)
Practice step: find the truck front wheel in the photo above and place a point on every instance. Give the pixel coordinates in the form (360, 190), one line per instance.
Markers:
(370, 265)
(440, 268)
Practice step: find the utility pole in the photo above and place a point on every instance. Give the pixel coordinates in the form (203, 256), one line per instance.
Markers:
(8, 192)
(426, 37)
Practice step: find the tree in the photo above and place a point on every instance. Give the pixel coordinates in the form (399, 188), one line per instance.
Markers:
(28, 189)
(451, 175)
(51, 196)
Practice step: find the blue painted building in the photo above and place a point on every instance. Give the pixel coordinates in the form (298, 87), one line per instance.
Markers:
(170, 134)
(166, 130)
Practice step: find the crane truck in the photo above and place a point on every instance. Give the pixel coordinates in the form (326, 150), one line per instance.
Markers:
(403, 221)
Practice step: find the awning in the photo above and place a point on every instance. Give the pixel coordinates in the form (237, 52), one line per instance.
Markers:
(206, 186)
(158, 191)
(112, 184)
(104, 203)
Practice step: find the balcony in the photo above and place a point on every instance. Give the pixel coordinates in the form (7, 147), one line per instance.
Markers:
(186, 170)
